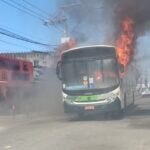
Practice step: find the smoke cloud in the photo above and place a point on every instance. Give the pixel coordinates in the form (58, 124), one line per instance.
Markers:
(92, 19)
(99, 21)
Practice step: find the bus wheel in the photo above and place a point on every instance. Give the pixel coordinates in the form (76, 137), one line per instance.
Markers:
(119, 113)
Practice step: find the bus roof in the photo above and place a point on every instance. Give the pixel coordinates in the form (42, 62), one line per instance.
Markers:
(91, 51)
(89, 46)
(9, 58)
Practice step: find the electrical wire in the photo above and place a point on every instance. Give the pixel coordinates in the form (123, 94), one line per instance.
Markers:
(19, 37)
(22, 10)
(44, 12)
(28, 9)
(27, 12)
(37, 8)
(14, 44)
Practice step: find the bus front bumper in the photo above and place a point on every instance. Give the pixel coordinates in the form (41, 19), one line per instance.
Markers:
(102, 108)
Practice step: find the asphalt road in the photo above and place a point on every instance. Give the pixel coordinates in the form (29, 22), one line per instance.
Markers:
(54, 130)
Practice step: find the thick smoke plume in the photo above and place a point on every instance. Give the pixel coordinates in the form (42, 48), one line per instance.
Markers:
(94, 13)
(100, 21)
(136, 9)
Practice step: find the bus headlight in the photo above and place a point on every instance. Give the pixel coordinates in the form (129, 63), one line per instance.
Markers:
(111, 98)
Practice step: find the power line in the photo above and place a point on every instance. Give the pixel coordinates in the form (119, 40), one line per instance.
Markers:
(22, 10)
(62, 18)
(30, 10)
(43, 11)
(31, 14)
(9, 43)
(9, 28)
(19, 37)
(37, 8)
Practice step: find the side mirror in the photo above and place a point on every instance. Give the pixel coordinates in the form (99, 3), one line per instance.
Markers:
(59, 70)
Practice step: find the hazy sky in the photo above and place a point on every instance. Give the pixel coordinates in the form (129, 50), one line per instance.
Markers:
(23, 24)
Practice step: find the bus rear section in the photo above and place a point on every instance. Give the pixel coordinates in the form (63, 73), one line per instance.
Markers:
(90, 80)
(16, 77)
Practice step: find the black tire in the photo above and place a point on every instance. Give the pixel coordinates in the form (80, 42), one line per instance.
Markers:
(117, 115)
(120, 112)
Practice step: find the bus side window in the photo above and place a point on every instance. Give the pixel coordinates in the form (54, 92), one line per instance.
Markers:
(4, 64)
(4, 76)
(1, 63)
(15, 66)
(25, 67)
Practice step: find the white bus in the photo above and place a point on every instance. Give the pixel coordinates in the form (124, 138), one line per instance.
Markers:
(91, 81)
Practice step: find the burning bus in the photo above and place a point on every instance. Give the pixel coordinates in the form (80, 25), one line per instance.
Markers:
(91, 81)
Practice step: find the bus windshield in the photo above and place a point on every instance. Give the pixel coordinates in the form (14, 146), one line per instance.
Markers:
(90, 74)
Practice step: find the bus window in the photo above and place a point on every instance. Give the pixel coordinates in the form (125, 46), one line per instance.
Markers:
(9, 64)
(4, 76)
(75, 78)
(25, 67)
(15, 66)
(4, 64)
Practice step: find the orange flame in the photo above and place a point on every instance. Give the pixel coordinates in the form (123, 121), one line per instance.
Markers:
(125, 42)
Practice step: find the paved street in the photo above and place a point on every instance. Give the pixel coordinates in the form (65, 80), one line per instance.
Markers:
(54, 130)
(67, 132)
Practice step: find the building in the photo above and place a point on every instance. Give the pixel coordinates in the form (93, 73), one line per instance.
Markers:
(38, 58)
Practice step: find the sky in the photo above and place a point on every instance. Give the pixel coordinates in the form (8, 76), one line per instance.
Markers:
(25, 25)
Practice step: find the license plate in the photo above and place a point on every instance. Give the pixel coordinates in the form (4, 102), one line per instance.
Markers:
(89, 107)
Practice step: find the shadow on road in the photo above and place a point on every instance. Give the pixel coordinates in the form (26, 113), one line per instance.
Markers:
(141, 108)
(94, 117)
(134, 111)
(139, 116)
(139, 112)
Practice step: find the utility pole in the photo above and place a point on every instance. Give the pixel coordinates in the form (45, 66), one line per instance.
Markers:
(58, 21)
(62, 18)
